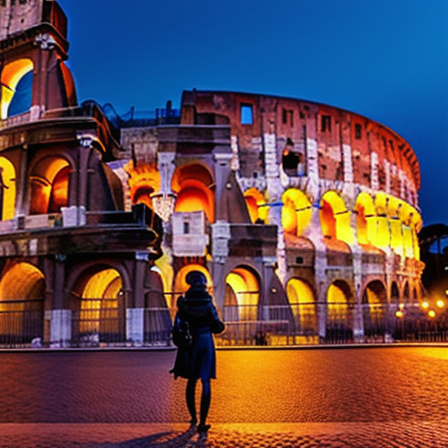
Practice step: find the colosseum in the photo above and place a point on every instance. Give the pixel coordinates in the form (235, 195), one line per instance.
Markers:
(303, 216)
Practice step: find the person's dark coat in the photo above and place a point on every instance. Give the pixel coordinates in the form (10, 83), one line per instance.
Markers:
(199, 360)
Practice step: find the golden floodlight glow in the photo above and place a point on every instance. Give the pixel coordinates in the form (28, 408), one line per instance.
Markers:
(296, 211)
(246, 288)
(256, 202)
(440, 303)
(335, 218)
(432, 313)
(425, 305)
(11, 75)
(8, 177)
(301, 297)
(399, 314)
(365, 210)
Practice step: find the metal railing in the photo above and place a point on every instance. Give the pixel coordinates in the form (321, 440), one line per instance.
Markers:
(330, 323)
(102, 323)
(21, 323)
(158, 326)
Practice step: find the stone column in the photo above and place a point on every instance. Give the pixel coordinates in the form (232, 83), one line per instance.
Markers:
(135, 325)
(220, 250)
(60, 327)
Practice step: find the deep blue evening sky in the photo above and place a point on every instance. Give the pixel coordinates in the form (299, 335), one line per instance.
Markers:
(384, 59)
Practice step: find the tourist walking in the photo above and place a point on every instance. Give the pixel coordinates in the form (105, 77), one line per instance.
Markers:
(196, 319)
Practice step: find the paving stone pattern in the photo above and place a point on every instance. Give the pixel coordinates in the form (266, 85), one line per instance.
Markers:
(312, 435)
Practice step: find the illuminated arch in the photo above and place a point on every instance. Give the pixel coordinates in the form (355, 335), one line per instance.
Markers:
(101, 304)
(302, 301)
(193, 185)
(22, 294)
(394, 293)
(366, 218)
(256, 205)
(144, 181)
(16, 86)
(7, 189)
(397, 225)
(406, 294)
(296, 211)
(335, 218)
(374, 301)
(22, 281)
(242, 294)
(49, 185)
(340, 313)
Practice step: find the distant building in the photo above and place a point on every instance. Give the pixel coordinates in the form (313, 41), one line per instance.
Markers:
(302, 216)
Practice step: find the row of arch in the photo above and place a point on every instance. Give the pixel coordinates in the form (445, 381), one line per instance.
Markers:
(382, 221)
(16, 88)
(97, 298)
(48, 186)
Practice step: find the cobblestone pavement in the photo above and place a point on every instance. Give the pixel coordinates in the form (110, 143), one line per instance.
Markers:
(302, 435)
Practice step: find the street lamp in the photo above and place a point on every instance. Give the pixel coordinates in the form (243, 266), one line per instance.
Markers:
(440, 303)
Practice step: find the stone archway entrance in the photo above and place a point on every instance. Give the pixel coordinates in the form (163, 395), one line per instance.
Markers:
(340, 313)
(375, 310)
(22, 295)
(98, 307)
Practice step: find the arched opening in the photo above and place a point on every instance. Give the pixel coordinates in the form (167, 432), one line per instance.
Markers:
(296, 212)
(339, 325)
(49, 185)
(303, 305)
(374, 303)
(22, 295)
(382, 233)
(7, 189)
(335, 218)
(406, 295)
(16, 88)
(242, 295)
(193, 185)
(157, 318)
(365, 221)
(144, 181)
(256, 205)
(394, 293)
(99, 310)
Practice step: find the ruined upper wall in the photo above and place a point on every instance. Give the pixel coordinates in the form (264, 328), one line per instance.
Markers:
(19, 15)
(347, 146)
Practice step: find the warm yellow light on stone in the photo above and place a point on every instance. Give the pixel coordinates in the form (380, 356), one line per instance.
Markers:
(245, 288)
(335, 218)
(301, 298)
(296, 212)
(256, 205)
(8, 180)
(10, 77)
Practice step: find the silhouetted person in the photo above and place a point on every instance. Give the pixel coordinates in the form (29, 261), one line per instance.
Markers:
(199, 360)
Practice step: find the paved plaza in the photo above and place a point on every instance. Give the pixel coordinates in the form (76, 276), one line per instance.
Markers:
(302, 435)
(354, 398)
